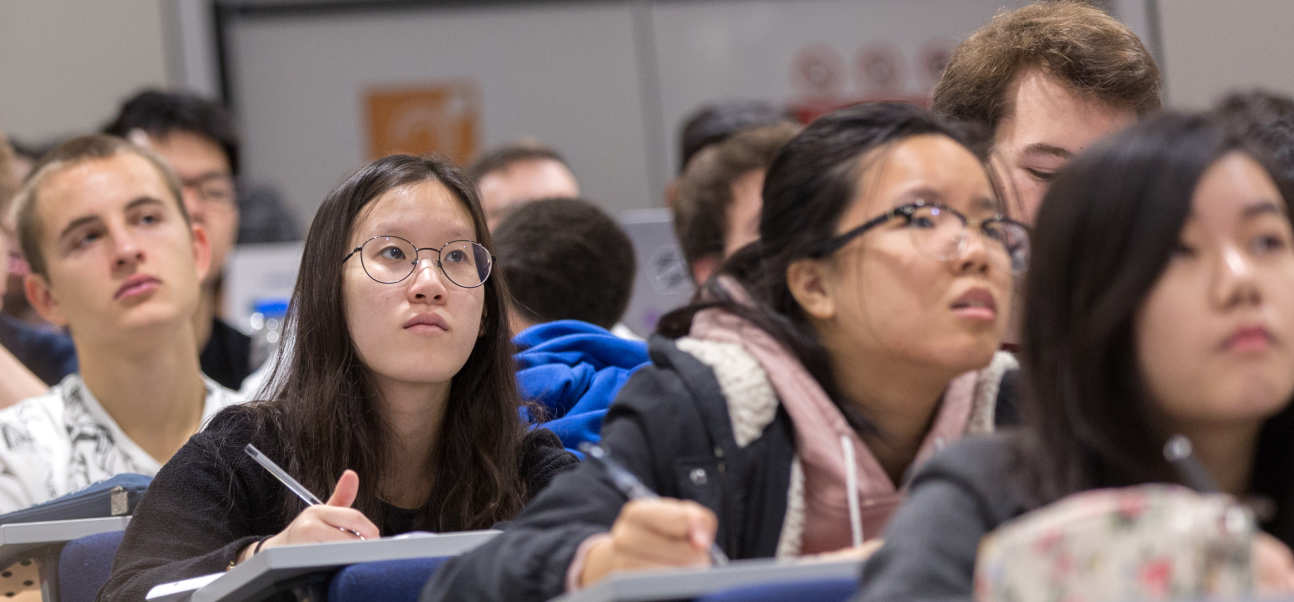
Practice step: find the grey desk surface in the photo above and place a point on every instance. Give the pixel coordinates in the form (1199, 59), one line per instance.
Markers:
(274, 565)
(690, 583)
(18, 539)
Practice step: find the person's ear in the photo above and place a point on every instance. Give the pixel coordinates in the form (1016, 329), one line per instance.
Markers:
(201, 251)
(807, 281)
(43, 300)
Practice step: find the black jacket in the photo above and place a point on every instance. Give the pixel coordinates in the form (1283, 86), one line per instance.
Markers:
(670, 426)
(211, 500)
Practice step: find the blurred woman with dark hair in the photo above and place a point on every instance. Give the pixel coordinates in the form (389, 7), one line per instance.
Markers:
(1160, 302)
(782, 414)
(400, 371)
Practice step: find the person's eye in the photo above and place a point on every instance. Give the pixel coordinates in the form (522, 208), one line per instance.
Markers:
(456, 256)
(393, 253)
(1269, 243)
(1041, 175)
(1181, 249)
(87, 237)
(150, 218)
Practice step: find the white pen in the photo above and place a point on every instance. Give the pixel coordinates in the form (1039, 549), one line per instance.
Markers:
(288, 481)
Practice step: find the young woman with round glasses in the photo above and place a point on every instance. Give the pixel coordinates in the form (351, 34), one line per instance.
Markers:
(399, 380)
(1160, 304)
(782, 414)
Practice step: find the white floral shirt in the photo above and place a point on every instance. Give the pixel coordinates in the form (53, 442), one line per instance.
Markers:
(64, 440)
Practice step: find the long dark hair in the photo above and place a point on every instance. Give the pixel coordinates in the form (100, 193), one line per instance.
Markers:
(1106, 230)
(319, 397)
(808, 186)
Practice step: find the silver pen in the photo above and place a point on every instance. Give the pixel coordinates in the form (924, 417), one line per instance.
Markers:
(288, 481)
(634, 489)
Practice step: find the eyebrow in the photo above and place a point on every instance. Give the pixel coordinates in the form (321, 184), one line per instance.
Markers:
(1261, 208)
(89, 219)
(1042, 148)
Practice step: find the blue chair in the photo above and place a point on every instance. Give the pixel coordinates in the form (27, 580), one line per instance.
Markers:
(390, 580)
(818, 590)
(84, 566)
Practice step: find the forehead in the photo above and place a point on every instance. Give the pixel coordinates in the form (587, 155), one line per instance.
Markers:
(1230, 185)
(532, 178)
(1045, 111)
(417, 211)
(931, 159)
(96, 186)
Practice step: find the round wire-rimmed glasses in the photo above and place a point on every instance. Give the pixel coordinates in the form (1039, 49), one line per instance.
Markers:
(942, 232)
(391, 259)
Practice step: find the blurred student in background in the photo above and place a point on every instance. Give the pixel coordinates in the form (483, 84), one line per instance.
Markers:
(1172, 222)
(16, 381)
(714, 122)
(571, 269)
(397, 394)
(115, 259)
(1046, 81)
(1266, 120)
(859, 332)
(512, 175)
(717, 199)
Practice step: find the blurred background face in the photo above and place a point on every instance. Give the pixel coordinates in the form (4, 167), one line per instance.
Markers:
(391, 324)
(1232, 281)
(209, 197)
(503, 189)
(1046, 126)
(895, 299)
(118, 254)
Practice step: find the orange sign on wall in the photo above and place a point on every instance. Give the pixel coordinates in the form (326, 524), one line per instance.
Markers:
(440, 118)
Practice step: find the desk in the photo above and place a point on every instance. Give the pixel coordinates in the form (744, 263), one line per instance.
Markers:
(690, 583)
(43, 540)
(275, 566)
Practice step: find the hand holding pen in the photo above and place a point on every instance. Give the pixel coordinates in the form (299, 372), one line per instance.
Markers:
(333, 520)
(650, 531)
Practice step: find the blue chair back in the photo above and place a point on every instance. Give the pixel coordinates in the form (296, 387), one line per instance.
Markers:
(84, 566)
(818, 590)
(390, 580)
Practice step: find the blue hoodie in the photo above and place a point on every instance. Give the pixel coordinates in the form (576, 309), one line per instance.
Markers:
(574, 370)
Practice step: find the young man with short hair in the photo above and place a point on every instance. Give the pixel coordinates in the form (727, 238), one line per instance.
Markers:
(197, 139)
(1046, 81)
(115, 259)
(570, 271)
(718, 198)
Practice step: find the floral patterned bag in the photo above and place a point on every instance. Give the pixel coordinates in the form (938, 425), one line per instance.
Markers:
(1150, 542)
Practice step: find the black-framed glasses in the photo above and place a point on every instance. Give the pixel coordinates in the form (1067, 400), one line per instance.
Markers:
(391, 259)
(941, 232)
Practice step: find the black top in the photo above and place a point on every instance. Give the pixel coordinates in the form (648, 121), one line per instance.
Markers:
(227, 357)
(211, 500)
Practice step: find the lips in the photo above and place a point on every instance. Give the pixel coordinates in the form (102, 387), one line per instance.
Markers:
(1249, 339)
(426, 322)
(977, 303)
(136, 285)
